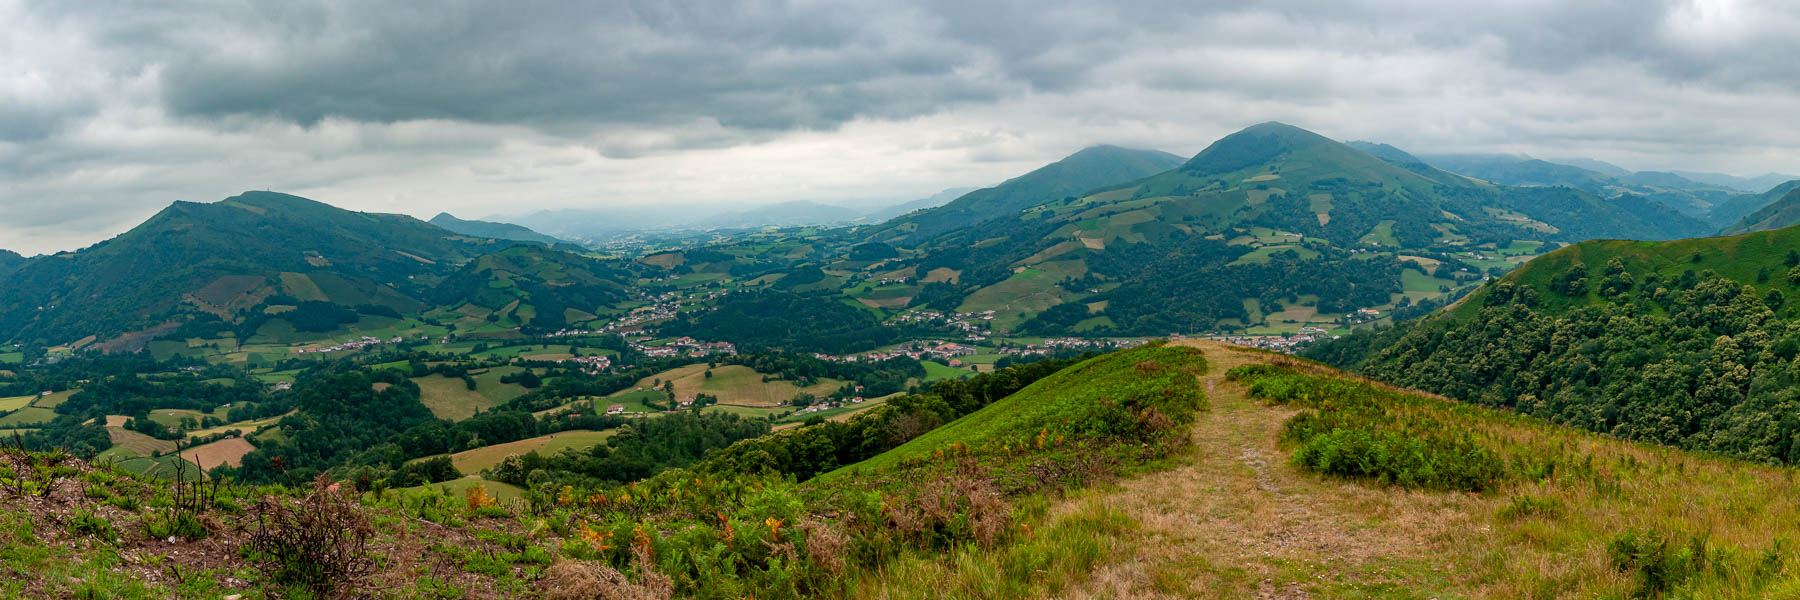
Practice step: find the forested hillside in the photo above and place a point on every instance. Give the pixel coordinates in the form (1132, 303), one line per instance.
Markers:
(224, 258)
(1689, 343)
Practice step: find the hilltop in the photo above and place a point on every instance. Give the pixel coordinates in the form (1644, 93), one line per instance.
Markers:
(1188, 470)
(488, 229)
(1780, 208)
(1686, 342)
(1079, 172)
(224, 258)
(1284, 227)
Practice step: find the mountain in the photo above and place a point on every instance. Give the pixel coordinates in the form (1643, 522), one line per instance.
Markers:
(1079, 172)
(226, 257)
(932, 201)
(1520, 170)
(10, 260)
(489, 229)
(1754, 185)
(1688, 343)
(1597, 166)
(1715, 205)
(535, 287)
(780, 214)
(588, 223)
(1280, 226)
(1782, 211)
(1385, 152)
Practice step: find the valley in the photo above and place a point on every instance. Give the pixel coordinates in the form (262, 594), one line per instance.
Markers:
(1096, 351)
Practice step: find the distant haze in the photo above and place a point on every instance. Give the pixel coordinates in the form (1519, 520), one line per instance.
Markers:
(109, 110)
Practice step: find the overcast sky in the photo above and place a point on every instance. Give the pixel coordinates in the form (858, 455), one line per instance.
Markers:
(111, 110)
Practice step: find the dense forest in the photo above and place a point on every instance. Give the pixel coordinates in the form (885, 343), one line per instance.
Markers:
(1697, 361)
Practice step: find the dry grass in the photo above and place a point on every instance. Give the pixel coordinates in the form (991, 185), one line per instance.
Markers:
(1237, 521)
(228, 452)
(138, 443)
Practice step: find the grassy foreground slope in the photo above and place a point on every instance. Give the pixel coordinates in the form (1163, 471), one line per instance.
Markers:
(1274, 478)
(1560, 513)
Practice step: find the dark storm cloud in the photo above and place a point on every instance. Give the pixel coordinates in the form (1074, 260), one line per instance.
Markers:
(128, 103)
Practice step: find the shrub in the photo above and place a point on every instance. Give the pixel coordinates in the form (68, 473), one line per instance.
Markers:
(174, 523)
(1527, 506)
(1358, 430)
(85, 522)
(320, 542)
(1659, 560)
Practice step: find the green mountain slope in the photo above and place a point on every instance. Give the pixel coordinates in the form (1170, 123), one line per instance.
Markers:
(10, 260)
(1688, 342)
(1079, 172)
(225, 257)
(488, 229)
(540, 288)
(1781, 208)
(1695, 199)
(1280, 226)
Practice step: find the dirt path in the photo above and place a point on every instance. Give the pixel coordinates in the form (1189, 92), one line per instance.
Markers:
(1236, 521)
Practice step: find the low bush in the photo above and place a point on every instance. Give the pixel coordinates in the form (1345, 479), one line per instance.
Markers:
(319, 542)
(1354, 429)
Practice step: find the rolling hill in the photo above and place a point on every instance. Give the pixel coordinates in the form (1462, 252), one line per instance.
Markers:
(1780, 208)
(1278, 224)
(1687, 342)
(489, 229)
(534, 286)
(1079, 172)
(1712, 203)
(226, 257)
(1189, 470)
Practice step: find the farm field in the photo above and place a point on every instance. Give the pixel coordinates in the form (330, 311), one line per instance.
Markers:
(473, 461)
(451, 399)
(26, 417)
(228, 452)
(15, 403)
(938, 372)
(457, 488)
(54, 399)
(732, 384)
(245, 426)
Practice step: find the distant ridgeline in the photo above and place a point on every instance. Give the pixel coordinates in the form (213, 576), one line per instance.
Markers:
(1691, 343)
(1266, 220)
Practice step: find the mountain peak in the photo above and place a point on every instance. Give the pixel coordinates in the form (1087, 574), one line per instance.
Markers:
(1257, 144)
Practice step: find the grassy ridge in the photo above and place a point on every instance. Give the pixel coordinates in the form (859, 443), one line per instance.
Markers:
(1098, 398)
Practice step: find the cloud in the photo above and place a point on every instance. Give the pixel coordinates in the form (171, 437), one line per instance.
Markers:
(111, 109)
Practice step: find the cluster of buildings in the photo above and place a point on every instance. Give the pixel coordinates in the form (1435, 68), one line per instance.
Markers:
(967, 322)
(686, 346)
(828, 405)
(591, 365)
(1285, 344)
(359, 344)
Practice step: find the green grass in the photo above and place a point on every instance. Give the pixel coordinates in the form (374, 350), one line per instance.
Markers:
(26, 417)
(472, 461)
(938, 372)
(12, 358)
(15, 403)
(456, 488)
(1096, 398)
(449, 398)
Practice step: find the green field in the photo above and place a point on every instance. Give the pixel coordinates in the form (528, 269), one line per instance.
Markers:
(457, 488)
(449, 398)
(732, 384)
(473, 461)
(938, 372)
(15, 403)
(11, 358)
(26, 417)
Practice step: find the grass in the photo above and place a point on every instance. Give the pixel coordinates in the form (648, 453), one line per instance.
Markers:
(1092, 399)
(449, 398)
(732, 384)
(26, 417)
(457, 488)
(474, 461)
(938, 372)
(15, 403)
